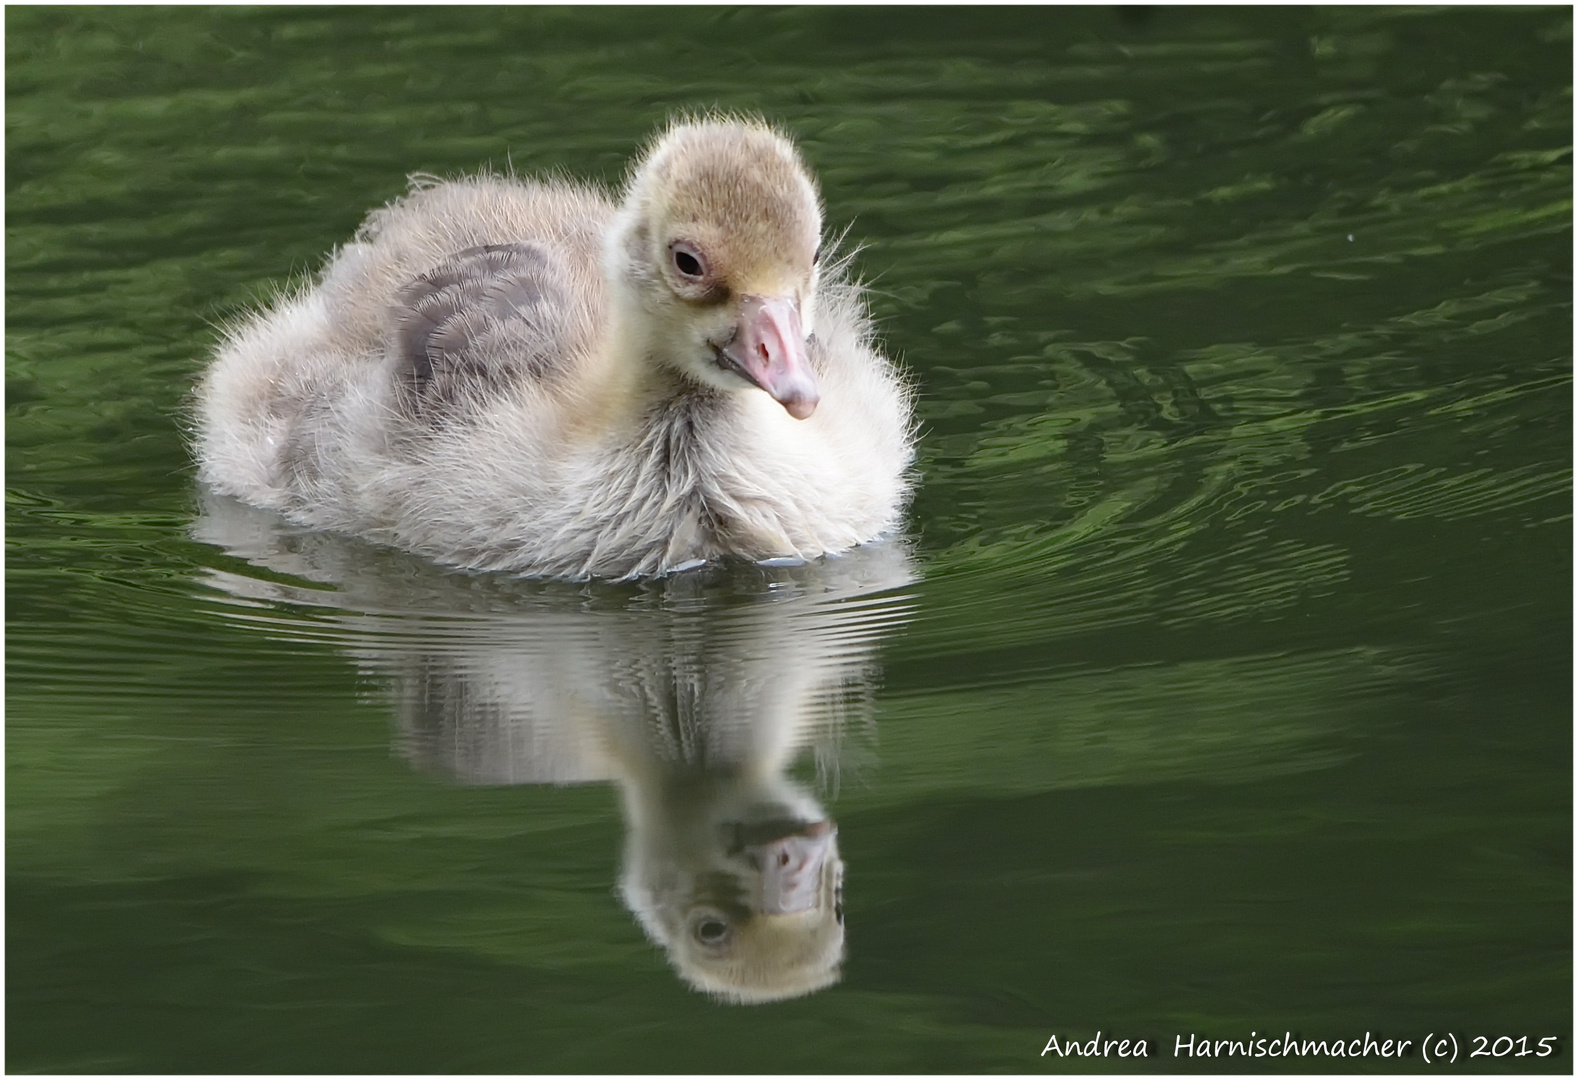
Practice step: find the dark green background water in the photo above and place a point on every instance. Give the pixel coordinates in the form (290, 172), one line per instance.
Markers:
(1236, 693)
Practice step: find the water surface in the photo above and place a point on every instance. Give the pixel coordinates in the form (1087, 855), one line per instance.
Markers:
(1220, 683)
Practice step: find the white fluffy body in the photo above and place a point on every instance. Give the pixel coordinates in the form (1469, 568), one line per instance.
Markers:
(606, 459)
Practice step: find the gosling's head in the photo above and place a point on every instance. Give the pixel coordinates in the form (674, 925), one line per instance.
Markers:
(717, 243)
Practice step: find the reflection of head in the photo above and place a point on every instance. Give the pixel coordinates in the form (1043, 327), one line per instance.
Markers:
(694, 702)
(748, 902)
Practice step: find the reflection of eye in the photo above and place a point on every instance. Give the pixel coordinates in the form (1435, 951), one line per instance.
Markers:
(711, 931)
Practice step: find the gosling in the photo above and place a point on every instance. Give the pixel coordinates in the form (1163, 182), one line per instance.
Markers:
(526, 376)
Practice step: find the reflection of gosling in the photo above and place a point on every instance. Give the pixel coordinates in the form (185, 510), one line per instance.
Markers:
(524, 376)
(695, 706)
(697, 716)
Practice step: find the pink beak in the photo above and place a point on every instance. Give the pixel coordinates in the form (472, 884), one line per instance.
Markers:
(768, 348)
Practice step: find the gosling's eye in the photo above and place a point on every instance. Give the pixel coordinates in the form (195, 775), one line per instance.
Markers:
(816, 256)
(689, 263)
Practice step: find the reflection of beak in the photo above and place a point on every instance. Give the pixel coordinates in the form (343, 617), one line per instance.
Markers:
(768, 348)
(791, 867)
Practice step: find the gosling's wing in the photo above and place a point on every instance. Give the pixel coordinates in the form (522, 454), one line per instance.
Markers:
(480, 321)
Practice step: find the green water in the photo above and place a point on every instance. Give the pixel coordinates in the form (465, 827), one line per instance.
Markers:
(1221, 684)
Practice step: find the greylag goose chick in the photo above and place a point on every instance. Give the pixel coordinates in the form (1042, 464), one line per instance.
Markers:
(515, 375)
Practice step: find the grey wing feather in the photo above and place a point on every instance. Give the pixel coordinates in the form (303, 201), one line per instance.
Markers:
(479, 321)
